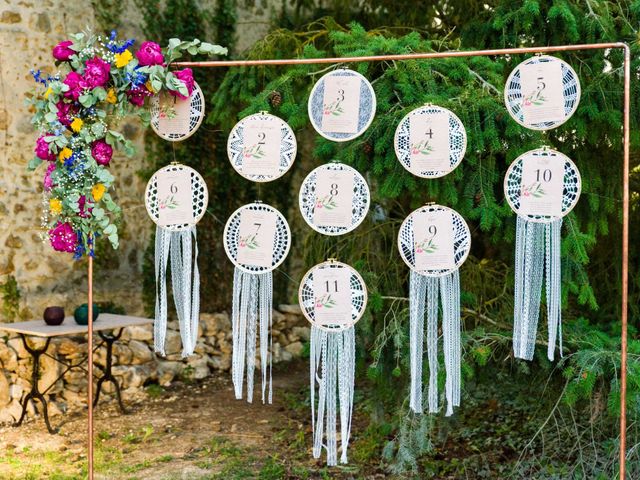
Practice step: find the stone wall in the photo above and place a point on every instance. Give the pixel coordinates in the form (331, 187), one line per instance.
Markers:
(135, 364)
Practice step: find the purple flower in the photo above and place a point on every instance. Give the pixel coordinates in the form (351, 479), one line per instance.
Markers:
(65, 112)
(47, 181)
(42, 149)
(136, 95)
(73, 80)
(96, 73)
(102, 152)
(149, 54)
(186, 77)
(62, 52)
(63, 238)
(82, 203)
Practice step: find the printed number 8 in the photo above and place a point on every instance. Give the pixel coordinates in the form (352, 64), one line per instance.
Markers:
(334, 189)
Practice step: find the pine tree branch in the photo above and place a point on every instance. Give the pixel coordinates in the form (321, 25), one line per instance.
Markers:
(484, 82)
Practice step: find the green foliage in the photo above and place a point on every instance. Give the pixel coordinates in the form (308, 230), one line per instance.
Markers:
(10, 293)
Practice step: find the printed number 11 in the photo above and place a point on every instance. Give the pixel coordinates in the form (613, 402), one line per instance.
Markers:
(335, 286)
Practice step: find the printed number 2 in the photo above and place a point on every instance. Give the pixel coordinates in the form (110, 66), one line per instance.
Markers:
(261, 137)
(335, 286)
(546, 175)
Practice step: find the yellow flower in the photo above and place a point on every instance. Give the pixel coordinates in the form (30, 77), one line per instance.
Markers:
(47, 93)
(65, 153)
(55, 206)
(122, 59)
(76, 125)
(98, 191)
(111, 96)
(149, 86)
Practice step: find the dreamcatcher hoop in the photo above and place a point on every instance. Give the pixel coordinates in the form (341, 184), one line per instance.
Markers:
(457, 140)
(570, 192)
(461, 240)
(367, 106)
(196, 115)
(359, 296)
(199, 192)
(513, 96)
(359, 205)
(282, 243)
(288, 146)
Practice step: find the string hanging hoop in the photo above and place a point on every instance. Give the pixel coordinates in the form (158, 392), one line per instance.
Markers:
(333, 297)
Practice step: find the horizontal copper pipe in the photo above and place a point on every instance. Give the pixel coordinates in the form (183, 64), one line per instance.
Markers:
(401, 56)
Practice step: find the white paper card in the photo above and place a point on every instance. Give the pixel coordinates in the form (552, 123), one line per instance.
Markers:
(179, 123)
(341, 104)
(542, 186)
(262, 144)
(332, 293)
(429, 142)
(542, 91)
(256, 237)
(433, 240)
(175, 199)
(334, 198)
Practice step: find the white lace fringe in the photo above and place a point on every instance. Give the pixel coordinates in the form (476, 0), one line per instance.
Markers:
(537, 255)
(425, 289)
(252, 300)
(332, 367)
(185, 282)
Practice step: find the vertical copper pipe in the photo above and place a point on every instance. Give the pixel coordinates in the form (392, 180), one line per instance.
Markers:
(90, 374)
(625, 262)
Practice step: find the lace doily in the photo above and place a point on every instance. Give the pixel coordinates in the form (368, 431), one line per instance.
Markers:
(196, 115)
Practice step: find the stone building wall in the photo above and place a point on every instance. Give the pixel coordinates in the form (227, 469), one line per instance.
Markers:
(135, 364)
(28, 30)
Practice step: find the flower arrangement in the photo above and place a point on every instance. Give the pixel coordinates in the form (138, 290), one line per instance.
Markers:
(77, 113)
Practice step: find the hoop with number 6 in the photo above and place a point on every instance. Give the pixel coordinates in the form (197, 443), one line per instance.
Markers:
(199, 192)
(461, 241)
(306, 296)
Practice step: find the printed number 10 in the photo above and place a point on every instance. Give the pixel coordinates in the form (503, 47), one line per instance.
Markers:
(546, 175)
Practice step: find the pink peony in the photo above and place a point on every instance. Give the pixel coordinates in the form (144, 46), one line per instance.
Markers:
(149, 54)
(65, 112)
(96, 73)
(62, 52)
(47, 181)
(136, 95)
(74, 80)
(63, 238)
(102, 152)
(186, 77)
(42, 149)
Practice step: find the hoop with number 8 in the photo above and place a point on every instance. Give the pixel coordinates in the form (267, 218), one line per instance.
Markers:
(513, 96)
(199, 192)
(281, 245)
(360, 203)
(461, 241)
(196, 115)
(457, 140)
(306, 296)
(288, 146)
(572, 184)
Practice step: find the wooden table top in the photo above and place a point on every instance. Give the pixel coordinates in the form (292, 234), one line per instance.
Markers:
(105, 321)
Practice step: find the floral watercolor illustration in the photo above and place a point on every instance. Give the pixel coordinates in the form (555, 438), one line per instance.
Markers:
(422, 147)
(249, 241)
(535, 190)
(254, 151)
(426, 246)
(325, 301)
(169, 202)
(333, 108)
(327, 202)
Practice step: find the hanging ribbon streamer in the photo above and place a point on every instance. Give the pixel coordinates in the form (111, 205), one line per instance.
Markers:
(541, 186)
(257, 240)
(333, 297)
(434, 241)
(176, 199)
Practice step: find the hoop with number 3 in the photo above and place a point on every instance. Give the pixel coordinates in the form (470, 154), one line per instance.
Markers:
(307, 299)
(199, 199)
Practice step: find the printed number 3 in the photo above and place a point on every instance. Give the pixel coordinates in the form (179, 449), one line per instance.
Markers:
(341, 95)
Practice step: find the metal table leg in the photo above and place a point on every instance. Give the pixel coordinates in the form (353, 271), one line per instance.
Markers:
(35, 393)
(107, 376)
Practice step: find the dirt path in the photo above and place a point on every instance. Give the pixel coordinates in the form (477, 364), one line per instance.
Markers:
(188, 431)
